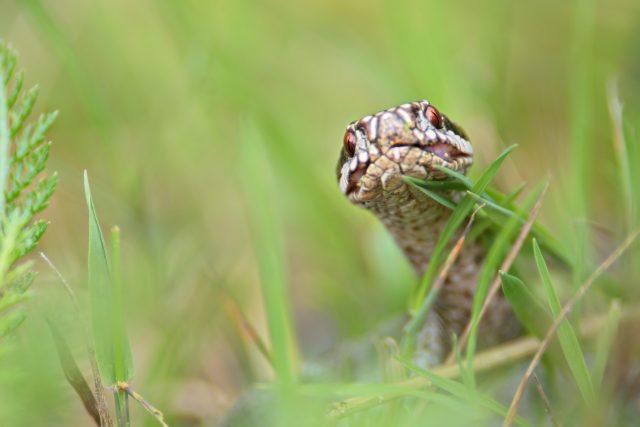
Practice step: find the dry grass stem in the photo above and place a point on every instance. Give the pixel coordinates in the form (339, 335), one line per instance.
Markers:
(513, 409)
(486, 360)
(155, 412)
(245, 327)
(545, 401)
(506, 265)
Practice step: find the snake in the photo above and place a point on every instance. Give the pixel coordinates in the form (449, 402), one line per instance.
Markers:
(378, 151)
(412, 140)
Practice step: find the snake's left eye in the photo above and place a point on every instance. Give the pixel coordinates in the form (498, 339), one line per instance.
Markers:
(349, 143)
(434, 116)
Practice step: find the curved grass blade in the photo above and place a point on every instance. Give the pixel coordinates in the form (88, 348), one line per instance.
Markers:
(566, 335)
(434, 194)
(439, 185)
(497, 252)
(508, 208)
(529, 310)
(457, 217)
(73, 374)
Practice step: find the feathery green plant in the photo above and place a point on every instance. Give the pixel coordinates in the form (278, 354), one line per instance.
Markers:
(24, 152)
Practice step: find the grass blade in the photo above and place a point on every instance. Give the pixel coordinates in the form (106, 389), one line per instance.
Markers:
(508, 208)
(269, 252)
(417, 320)
(568, 340)
(496, 254)
(457, 217)
(112, 349)
(504, 211)
(459, 390)
(528, 308)
(123, 364)
(605, 341)
(123, 360)
(623, 156)
(582, 290)
(441, 185)
(73, 374)
(434, 194)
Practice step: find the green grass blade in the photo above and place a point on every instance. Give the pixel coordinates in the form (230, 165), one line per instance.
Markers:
(496, 254)
(459, 390)
(623, 156)
(605, 341)
(529, 310)
(105, 311)
(632, 144)
(122, 350)
(431, 193)
(457, 217)
(458, 177)
(439, 185)
(494, 206)
(566, 335)
(73, 373)
(506, 206)
(269, 252)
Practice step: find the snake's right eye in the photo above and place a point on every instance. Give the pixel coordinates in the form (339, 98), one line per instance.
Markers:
(434, 116)
(349, 143)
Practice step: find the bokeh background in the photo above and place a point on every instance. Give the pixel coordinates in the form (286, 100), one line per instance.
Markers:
(155, 96)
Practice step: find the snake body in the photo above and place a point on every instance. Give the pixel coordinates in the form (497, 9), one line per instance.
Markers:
(410, 140)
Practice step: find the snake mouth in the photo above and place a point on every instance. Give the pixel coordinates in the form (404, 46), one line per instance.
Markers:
(445, 152)
(454, 152)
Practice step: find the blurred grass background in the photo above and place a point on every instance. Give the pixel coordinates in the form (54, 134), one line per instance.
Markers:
(154, 98)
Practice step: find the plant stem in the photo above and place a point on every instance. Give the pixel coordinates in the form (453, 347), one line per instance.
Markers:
(122, 408)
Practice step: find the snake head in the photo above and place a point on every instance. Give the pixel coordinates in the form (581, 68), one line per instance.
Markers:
(408, 140)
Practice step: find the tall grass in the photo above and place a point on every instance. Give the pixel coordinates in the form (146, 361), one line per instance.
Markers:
(211, 133)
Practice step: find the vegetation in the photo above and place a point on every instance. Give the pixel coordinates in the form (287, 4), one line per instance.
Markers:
(210, 132)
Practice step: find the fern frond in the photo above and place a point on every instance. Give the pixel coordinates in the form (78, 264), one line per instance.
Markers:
(24, 192)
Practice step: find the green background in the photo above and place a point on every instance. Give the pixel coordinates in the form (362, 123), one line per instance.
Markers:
(154, 99)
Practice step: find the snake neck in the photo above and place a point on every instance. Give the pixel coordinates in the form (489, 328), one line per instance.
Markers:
(414, 220)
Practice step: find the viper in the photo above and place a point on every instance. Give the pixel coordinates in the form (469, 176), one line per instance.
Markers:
(378, 151)
(411, 140)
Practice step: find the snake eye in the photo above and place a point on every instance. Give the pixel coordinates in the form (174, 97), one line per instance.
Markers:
(434, 117)
(349, 143)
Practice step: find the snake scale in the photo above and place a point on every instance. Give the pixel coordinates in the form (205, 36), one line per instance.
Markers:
(410, 140)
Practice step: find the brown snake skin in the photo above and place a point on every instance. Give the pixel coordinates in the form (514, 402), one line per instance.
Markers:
(410, 140)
